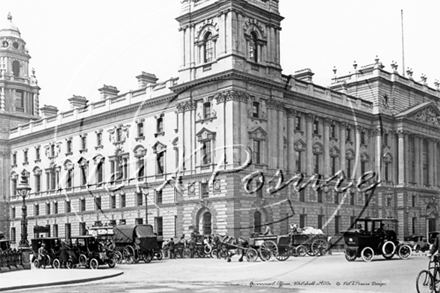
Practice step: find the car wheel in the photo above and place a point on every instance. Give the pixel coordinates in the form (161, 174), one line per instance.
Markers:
(111, 263)
(404, 251)
(118, 257)
(367, 254)
(83, 260)
(93, 264)
(388, 249)
(159, 255)
(36, 263)
(350, 255)
(56, 263)
(417, 248)
(147, 257)
(69, 264)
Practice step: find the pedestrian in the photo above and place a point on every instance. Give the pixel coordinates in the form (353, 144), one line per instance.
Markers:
(63, 254)
(191, 248)
(42, 255)
(171, 247)
(268, 230)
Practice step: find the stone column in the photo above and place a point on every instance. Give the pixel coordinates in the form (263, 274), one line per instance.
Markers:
(407, 158)
(290, 140)
(401, 156)
(417, 150)
(280, 131)
(309, 143)
(243, 125)
(342, 130)
(378, 153)
(357, 149)
(421, 149)
(2, 99)
(431, 160)
(327, 122)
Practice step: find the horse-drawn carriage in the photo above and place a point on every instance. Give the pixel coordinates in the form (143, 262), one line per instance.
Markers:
(137, 242)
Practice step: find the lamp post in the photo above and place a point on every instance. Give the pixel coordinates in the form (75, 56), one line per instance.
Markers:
(145, 190)
(326, 190)
(23, 190)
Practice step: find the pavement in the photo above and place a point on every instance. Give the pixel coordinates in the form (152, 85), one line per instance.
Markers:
(35, 278)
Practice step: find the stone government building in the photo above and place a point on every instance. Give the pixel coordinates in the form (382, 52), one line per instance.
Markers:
(87, 165)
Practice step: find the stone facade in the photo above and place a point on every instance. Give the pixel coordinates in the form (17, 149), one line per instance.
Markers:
(195, 140)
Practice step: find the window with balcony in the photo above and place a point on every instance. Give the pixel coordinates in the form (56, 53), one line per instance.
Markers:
(207, 110)
(204, 190)
(253, 47)
(140, 129)
(256, 109)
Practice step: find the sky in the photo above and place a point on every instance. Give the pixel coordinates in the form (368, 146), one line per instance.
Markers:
(78, 46)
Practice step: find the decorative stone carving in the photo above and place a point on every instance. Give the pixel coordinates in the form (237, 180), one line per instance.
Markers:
(232, 95)
(427, 115)
(186, 106)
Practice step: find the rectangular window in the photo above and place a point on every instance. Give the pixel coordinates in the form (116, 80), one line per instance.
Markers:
(260, 192)
(37, 210)
(37, 153)
(363, 167)
(160, 125)
(348, 163)
(118, 134)
(159, 226)
(52, 150)
(302, 221)
(204, 190)
(83, 170)
(82, 228)
(160, 163)
(123, 203)
(99, 139)
(140, 129)
(13, 212)
(140, 198)
(255, 109)
(385, 139)
(336, 197)
(337, 224)
(55, 207)
(206, 152)
(112, 201)
(348, 134)
(69, 146)
(52, 179)
(140, 168)
(298, 161)
(302, 195)
(316, 127)
(14, 159)
(25, 155)
(158, 196)
(175, 225)
(13, 235)
(19, 100)
(363, 141)
(319, 195)
(316, 163)
(37, 178)
(100, 173)
(413, 201)
(67, 206)
(332, 131)
(298, 123)
(69, 179)
(414, 225)
(257, 152)
(97, 203)
(333, 165)
(82, 205)
(320, 221)
(14, 186)
(207, 110)
(48, 208)
(84, 142)
(352, 197)
(68, 233)
(55, 230)
(138, 221)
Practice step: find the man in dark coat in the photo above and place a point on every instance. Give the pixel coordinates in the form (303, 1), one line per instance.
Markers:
(63, 255)
(192, 246)
(171, 247)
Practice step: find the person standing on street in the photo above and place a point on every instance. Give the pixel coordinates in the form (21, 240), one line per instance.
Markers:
(171, 247)
(63, 255)
(42, 255)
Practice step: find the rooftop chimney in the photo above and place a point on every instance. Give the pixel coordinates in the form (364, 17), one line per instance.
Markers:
(146, 79)
(48, 111)
(77, 102)
(108, 91)
(304, 74)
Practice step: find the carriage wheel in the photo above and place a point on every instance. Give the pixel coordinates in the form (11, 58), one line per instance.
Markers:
(56, 263)
(207, 249)
(404, 251)
(251, 255)
(159, 255)
(128, 254)
(301, 250)
(367, 254)
(267, 250)
(93, 264)
(319, 247)
(118, 257)
(310, 251)
(36, 263)
(283, 253)
(83, 260)
(350, 255)
(111, 262)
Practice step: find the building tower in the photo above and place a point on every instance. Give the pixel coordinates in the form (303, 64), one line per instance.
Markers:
(220, 35)
(18, 102)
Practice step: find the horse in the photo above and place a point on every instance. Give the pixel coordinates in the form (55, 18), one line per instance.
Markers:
(227, 244)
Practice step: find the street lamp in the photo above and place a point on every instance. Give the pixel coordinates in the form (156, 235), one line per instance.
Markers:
(23, 190)
(326, 189)
(145, 190)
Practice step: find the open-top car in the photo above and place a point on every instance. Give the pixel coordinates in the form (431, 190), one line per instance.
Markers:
(417, 242)
(371, 236)
(91, 253)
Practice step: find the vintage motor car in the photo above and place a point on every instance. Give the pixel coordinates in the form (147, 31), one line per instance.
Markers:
(91, 253)
(52, 252)
(417, 242)
(431, 236)
(371, 236)
(5, 244)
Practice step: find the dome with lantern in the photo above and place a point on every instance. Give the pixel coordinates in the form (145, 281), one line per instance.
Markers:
(9, 29)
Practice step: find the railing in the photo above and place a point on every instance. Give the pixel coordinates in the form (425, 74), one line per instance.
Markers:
(11, 260)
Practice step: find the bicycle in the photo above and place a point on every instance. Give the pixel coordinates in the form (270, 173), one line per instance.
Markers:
(429, 280)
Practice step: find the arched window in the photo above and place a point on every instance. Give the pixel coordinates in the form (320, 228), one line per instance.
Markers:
(208, 48)
(207, 224)
(257, 222)
(16, 68)
(253, 47)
